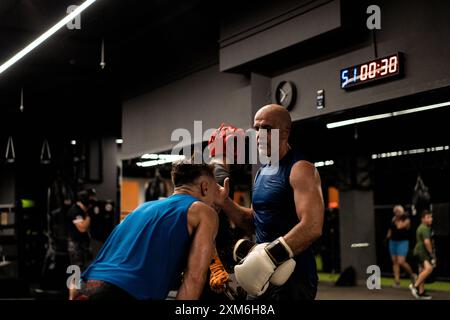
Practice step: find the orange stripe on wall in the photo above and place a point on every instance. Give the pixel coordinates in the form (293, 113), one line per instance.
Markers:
(129, 195)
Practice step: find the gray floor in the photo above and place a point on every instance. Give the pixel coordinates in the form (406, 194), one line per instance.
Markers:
(327, 291)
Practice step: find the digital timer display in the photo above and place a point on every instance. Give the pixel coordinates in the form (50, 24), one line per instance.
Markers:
(382, 68)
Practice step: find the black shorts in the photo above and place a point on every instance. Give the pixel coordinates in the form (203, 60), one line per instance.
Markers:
(421, 257)
(80, 254)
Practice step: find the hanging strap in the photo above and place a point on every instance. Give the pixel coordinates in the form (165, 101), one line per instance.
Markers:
(10, 154)
(45, 149)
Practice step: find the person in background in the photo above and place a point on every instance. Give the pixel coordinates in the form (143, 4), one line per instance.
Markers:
(425, 253)
(79, 240)
(398, 235)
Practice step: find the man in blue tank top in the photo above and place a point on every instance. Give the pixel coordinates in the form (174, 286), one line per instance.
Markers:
(286, 214)
(147, 252)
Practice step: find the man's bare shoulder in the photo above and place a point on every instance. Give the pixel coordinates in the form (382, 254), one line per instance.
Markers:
(201, 211)
(303, 171)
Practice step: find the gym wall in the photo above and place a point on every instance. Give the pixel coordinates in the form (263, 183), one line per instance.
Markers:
(208, 95)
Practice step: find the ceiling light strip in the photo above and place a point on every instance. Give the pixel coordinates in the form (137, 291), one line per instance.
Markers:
(45, 35)
(386, 115)
(358, 120)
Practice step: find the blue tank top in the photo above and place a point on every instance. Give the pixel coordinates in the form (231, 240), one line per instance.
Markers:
(274, 209)
(146, 253)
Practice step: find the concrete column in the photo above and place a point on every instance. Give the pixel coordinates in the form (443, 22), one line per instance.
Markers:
(356, 226)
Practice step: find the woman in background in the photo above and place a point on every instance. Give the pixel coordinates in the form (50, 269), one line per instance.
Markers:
(398, 235)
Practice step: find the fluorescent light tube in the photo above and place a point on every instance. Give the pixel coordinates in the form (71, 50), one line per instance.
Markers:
(357, 120)
(45, 35)
(386, 115)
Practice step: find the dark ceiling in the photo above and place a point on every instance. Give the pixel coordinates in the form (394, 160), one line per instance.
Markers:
(147, 43)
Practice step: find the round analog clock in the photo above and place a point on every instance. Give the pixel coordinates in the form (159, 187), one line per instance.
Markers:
(286, 94)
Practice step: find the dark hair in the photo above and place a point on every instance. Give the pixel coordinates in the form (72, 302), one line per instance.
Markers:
(83, 197)
(425, 213)
(91, 192)
(186, 172)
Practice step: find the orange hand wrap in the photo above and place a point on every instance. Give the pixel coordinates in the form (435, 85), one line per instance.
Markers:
(219, 276)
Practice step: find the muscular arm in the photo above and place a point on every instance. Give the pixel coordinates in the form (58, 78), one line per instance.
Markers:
(241, 216)
(428, 245)
(200, 254)
(305, 182)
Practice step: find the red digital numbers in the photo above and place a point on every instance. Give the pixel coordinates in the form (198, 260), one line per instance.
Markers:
(393, 64)
(384, 67)
(371, 70)
(363, 72)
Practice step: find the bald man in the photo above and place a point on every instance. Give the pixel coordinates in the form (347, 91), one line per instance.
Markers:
(286, 215)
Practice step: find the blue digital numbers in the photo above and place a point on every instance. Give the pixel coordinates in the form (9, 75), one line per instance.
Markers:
(344, 78)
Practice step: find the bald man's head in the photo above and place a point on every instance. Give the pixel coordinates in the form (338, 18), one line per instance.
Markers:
(278, 116)
(270, 117)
